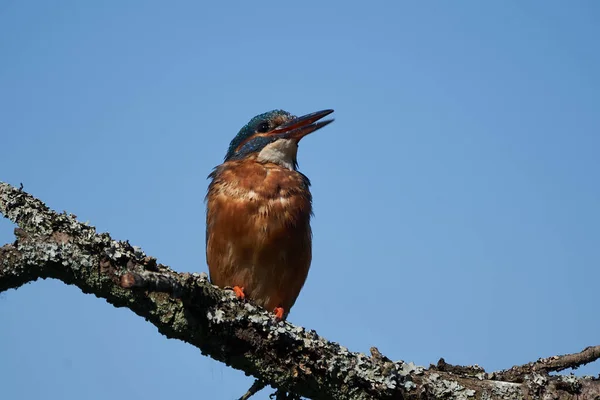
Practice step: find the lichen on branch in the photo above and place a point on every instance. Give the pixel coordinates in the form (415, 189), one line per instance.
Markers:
(187, 307)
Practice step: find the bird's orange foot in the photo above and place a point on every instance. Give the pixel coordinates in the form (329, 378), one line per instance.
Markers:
(239, 292)
(278, 313)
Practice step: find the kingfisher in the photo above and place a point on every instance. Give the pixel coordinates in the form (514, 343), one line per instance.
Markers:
(258, 210)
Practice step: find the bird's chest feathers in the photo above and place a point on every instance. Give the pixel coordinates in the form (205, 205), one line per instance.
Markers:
(262, 197)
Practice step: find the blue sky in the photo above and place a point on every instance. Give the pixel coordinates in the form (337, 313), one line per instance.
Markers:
(456, 194)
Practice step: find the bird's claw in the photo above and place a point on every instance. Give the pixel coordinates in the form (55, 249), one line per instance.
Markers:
(239, 292)
(278, 313)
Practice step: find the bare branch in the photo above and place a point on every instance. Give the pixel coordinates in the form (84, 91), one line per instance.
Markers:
(550, 364)
(576, 360)
(257, 386)
(187, 307)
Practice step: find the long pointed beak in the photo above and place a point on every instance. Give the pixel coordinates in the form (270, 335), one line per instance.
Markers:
(302, 126)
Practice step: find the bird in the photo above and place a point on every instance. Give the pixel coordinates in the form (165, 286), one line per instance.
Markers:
(258, 211)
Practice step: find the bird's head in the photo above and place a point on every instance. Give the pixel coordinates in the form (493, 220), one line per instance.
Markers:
(274, 136)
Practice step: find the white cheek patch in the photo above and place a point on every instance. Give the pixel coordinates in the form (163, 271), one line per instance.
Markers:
(282, 152)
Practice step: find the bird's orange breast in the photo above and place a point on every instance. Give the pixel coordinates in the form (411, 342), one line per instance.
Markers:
(258, 231)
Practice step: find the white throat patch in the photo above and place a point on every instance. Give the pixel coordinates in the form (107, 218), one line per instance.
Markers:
(282, 152)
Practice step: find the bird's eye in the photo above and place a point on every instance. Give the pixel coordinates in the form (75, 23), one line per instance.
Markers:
(263, 127)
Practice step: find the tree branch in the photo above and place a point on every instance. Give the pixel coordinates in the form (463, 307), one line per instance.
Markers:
(550, 364)
(187, 307)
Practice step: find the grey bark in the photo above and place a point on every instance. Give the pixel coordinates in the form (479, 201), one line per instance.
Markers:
(294, 359)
